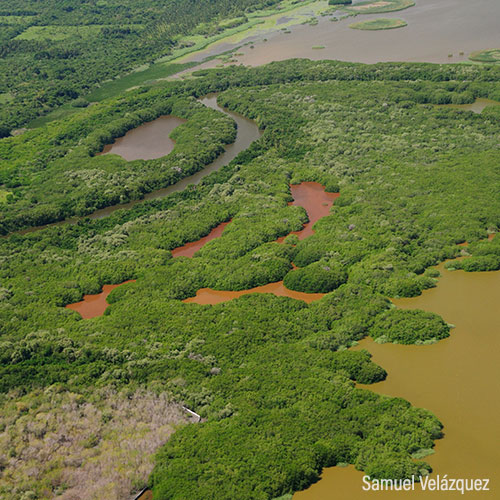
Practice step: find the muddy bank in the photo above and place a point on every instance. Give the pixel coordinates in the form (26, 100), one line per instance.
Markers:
(189, 249)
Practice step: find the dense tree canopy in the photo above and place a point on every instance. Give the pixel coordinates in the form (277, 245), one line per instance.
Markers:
(273, 374)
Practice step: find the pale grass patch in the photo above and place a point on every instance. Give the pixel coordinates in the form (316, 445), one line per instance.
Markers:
(58, 444)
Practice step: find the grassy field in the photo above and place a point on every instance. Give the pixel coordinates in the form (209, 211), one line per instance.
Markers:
(3, 195)
(379, 6)
(58, 32)
(153, 72)
(15, 19)
(113, 88)
(379, 24)
(487, 56)
(6, 97)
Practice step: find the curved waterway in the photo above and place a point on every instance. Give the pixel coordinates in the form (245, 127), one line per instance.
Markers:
(189, 249)
(317, 203)
(147, 141)
(458, 379)
(246, 133)
(94, 305)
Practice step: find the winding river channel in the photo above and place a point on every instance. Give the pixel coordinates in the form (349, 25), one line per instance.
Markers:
(458, 378)
(246, 133)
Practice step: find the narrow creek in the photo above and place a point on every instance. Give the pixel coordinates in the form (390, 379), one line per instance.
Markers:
(309, 195)
(317, 203)
(246, 133)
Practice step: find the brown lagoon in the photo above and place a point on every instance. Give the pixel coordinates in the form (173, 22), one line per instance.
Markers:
(458, 379)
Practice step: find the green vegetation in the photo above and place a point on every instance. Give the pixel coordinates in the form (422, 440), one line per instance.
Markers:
(5, 98)
(379, 24)
(379, 6)
(409, 327)
(99, 181)
(4, 194)
(57, 33)
(273, 374)
(339, 2)
(318, 277)
(486, 56)
(52, 52)
(485, 257)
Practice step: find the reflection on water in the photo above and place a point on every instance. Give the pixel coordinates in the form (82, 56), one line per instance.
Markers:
(148, 141)
(458, 379)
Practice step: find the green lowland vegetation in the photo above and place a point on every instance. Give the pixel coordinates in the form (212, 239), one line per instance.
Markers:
(409, 327)
(484, 256)
(379, 24)
(52, 52)
(339, 2)
(379, 6)
(487, 56)
(273, 374)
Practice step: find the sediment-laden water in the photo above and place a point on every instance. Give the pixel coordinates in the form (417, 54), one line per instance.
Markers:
(458, 379)
(148, 141)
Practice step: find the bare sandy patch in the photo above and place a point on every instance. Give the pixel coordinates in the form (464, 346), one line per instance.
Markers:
(371, 5)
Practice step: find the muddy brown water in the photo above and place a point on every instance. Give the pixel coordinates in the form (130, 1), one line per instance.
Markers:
(147, 141)
(458, 379)
(210, 296)
(436, 29)
(94, 305)
(310, 195)
(315, 200)
(317, 203)
(189, 249)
